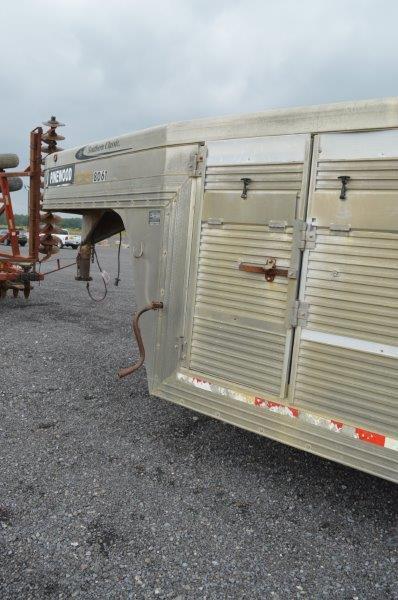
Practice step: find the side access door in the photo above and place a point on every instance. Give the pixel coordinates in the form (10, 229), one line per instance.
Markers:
(346, 349)
(246, 268)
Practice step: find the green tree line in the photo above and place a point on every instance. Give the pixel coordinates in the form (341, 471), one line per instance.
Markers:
(67, 223)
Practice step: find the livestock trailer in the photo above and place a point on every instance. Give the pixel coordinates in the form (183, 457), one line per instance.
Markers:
(270, 241)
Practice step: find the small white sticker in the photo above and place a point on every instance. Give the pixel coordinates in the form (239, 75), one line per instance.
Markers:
(154, 217)
(99, 176)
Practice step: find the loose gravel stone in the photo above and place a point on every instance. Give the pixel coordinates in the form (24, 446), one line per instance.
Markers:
(106, 492)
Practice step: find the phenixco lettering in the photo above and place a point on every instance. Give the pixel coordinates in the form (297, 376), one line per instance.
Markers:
(61, 176)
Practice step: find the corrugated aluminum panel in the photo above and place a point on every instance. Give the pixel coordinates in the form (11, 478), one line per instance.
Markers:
(352, 386)
(352, 285)
(368, 175)
(239, 354)
(220, 283)
(239, 331)
(263, 177)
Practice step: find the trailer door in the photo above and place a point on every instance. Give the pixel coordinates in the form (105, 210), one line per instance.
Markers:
(254, 196)
(346, 349)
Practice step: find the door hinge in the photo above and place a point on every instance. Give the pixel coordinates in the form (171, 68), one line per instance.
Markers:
(299, 314)
(304, 235)
(196, 162)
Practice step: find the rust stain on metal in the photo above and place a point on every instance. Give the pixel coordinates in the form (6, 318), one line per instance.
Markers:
(269, 269)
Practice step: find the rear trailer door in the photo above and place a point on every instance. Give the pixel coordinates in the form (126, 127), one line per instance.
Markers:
(346, 347)
(251, 221)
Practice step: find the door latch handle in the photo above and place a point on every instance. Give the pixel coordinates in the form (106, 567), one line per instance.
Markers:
(269, 270)
(246, 182)
(344, 180)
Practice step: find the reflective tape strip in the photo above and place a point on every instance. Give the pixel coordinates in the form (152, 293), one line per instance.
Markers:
(341, 341)
(292, 412)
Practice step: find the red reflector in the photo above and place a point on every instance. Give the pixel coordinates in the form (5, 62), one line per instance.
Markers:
(369, 436)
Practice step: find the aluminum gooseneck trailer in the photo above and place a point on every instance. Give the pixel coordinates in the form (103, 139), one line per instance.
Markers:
(271, 243)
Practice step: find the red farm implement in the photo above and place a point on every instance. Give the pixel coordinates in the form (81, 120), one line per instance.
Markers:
(17, 270)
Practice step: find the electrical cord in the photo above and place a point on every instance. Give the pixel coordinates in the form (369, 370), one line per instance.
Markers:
(117, 278)
(103, 275)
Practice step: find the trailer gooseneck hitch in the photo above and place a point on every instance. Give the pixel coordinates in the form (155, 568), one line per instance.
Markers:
(137, 332)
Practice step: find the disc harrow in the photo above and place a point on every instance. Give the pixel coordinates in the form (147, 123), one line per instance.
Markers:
(17, 270)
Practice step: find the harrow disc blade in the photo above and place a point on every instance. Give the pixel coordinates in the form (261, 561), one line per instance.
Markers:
(49, 217)
(52, 136)
(49, 240)
(53, 123)
(50, 229)
(48, 250)
(50, 149)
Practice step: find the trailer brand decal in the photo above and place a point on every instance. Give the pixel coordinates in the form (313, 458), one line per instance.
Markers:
(61, 175)
(291, 412)
(94, 150)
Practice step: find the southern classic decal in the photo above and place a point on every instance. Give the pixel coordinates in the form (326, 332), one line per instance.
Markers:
(61, 175)
(94, 150)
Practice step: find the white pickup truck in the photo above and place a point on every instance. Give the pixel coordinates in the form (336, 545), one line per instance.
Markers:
(68, 241)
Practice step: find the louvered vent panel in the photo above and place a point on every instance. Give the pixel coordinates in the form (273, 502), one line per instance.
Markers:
(239, 331)
(352, 386)
(263, 177)
(352, 291)
(366, 175)
(352, 285)
(239, 354)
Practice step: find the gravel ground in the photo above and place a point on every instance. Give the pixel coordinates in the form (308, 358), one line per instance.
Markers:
(106, 492)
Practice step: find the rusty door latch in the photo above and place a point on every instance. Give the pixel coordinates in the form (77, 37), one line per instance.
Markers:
(269, 270)
(137, 332)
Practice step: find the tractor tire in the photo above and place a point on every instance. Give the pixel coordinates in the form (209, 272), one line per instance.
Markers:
(8, 161)
(15, 183)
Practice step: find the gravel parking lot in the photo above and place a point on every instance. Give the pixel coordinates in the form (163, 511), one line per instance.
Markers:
(106, 492)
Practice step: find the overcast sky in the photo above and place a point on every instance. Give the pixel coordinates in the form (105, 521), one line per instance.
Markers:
(110, 68)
